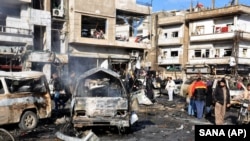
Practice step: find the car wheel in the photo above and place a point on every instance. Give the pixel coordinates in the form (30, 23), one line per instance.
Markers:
(28, 121)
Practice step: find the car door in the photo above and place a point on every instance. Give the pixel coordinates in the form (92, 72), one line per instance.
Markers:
(4, 107)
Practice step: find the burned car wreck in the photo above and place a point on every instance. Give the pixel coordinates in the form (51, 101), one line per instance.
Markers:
(24, 98)
(100, 99)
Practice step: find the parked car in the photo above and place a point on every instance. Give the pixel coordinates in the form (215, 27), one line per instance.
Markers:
(178, 83)
(100, 99)
(24, 98)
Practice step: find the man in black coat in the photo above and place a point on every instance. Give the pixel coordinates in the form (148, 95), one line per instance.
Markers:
(149, 86)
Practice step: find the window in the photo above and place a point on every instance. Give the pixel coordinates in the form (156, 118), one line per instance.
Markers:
(197, 53)
(175, 34)
(1, 88)
(244, 52)
(174, 53)
(92, 27)
(207, 53)
(26, 85)
(166, 35)
(165, 53)
(199, 30)
(227, 52)
(217, 53)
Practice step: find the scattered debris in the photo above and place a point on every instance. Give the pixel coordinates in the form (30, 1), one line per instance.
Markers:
(62, 120)
(89, 137)
(180, 128)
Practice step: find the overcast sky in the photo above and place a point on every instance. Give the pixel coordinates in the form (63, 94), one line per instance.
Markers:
(159, 5)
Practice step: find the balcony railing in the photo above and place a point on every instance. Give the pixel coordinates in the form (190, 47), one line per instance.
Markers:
(14, 30)
(170, 41)
(212, 37)
(217, 60)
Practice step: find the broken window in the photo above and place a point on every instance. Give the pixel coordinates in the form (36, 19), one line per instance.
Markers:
(175, 34)
(197, 53)
(1, 88)
(92, 27)
(38, 40)
(174, 53)
(26, 85)
(104, 87)
(227, 52)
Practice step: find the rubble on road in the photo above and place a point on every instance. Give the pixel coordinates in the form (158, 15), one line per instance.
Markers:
(90, 136)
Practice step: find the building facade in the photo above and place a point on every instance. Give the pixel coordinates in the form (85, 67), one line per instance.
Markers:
(213, 41)
(171, 42)
(101, 30)
(219, 40)
(25, 26)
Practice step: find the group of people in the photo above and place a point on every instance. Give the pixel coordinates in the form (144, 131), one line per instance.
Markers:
(202, 96)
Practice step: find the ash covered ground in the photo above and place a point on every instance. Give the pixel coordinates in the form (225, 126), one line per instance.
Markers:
(162, 121)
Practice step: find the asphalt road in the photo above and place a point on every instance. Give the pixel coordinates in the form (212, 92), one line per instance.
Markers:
(162, 121)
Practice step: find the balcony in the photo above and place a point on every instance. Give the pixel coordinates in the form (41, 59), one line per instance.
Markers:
(246, 35)
(15, 36)
(173, 20)
(170, 41)
(169, 61)
(212, 37)
(112, 43)
(218, 60)
(244, 61)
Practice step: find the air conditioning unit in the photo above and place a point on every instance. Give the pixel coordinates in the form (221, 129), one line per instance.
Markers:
(58, 12)
(134, 53)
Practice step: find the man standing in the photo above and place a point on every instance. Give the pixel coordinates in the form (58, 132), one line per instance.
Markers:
(57, 85)
(222, 100)
(199, 91)
(170, 87)
(149, 87)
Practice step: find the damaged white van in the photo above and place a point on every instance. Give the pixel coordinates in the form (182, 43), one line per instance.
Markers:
(24, 98)
(100, 99)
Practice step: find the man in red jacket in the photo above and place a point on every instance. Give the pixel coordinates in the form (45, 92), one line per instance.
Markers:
(199, 90)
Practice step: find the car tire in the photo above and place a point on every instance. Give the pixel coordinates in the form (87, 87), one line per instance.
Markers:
(28, 121)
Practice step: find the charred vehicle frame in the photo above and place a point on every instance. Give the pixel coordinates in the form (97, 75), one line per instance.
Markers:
(100, 99)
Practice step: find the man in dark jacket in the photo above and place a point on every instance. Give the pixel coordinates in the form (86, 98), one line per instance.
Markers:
(199, 93)
(57, 85)
(222, 100)
(149, 87)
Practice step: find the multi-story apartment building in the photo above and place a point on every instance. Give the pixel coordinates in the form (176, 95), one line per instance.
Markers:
(25, 26)
(219, 40)
(106, 29)
(170, 41)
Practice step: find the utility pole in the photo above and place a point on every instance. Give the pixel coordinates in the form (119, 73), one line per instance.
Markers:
(235, 52)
